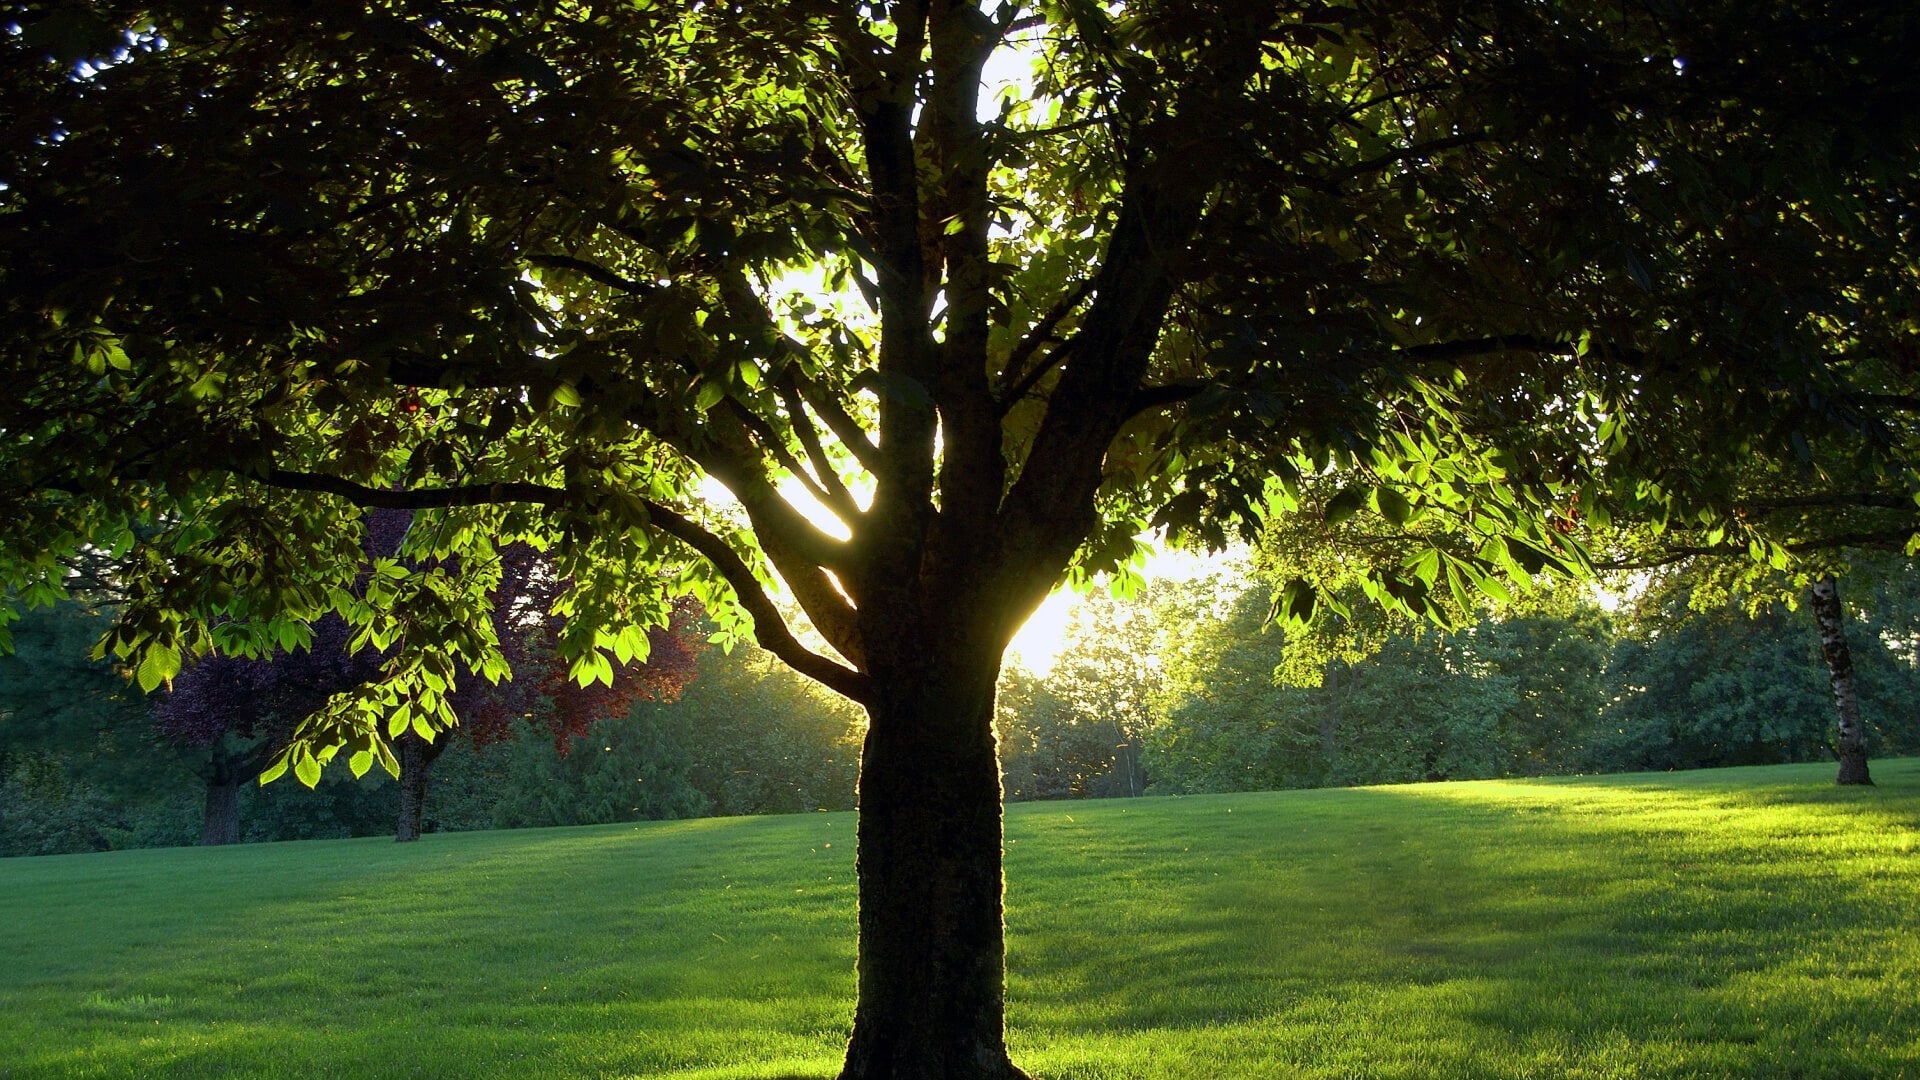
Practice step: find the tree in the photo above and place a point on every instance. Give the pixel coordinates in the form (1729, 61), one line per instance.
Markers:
(1694, 576)
(241, 713)
(244, 712)
(530, 270)
(1718, 686)
(1077, 731)
(564, 709)
(81, 767)
(747, 736)
(1520, 693)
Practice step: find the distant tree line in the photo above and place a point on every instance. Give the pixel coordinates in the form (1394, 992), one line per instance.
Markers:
(1563, 685)
(88, 763)
(1186, 688)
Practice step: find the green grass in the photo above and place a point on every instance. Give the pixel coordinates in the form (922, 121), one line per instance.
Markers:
(1742, 922)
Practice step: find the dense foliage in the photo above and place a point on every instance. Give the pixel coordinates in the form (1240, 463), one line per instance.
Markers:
(539, 270)
(1563, 686)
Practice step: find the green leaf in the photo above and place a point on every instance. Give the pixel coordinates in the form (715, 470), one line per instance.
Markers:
(306, 769)
(1393, 506)
(387, 761)
(1426, 565)
(1296, 603)
(160, 663)
(1531, 559)
(1345, 504)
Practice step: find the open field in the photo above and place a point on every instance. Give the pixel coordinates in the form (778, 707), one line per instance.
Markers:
(1755, 922)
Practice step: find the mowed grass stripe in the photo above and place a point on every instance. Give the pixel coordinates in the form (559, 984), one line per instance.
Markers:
(1753, 922)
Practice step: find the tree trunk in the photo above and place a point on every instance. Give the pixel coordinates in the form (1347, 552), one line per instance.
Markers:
(228, 770)
(1852, 742)
(417, 756)
(1330, 721)
(932, 961)
(221, 823)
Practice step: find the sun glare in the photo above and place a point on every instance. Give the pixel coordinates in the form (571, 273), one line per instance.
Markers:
(1039, 642)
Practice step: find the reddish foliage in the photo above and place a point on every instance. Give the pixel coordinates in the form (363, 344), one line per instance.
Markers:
(263, 699)
(258, 699)
(528, 633)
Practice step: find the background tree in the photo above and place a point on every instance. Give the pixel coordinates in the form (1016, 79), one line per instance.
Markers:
(1077, 731)
(526, 269)
(541, 691)
(746, 736)
(80, 766)
(243, 712)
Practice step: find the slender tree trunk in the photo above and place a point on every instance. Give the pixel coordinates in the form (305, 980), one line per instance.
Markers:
(221, 822)
(417, 756)
(1330, 721)
(1852, 742)
(932, 961)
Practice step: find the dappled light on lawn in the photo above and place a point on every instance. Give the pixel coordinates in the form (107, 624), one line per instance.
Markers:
(1718, 923)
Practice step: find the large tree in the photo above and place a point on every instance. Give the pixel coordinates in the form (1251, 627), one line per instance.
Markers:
(537, 270)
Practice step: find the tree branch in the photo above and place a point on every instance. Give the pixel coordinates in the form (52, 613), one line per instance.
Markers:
(1417, 151)
(595, 272)
(839, 421)
(1886, 539)
(769, 629)
(1035, 338)
(836, 495)
(1153, 397)
(417, 498)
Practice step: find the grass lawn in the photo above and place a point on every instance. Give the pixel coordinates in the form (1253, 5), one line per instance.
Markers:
(1739, 922)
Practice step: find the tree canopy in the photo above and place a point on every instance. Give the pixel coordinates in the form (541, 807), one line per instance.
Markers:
(540, 270)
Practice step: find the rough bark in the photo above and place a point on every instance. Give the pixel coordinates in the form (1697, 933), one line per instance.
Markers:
(417, 756)
(932, 957)
(221, 822)
(1851, 744)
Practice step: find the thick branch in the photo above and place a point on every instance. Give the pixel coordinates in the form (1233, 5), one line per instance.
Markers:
(769, 439)
(1154, 397)
(839, 421)
(769, 629)
(836, 495)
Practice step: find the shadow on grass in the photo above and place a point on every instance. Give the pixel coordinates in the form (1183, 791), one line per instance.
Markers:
(1751, 923)
(1745, 922)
